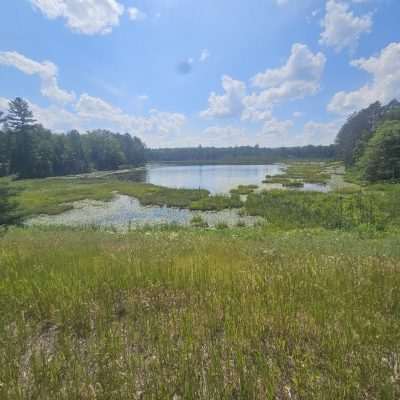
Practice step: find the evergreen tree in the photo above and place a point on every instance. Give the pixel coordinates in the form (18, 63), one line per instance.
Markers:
(19, 115)
(21, 122)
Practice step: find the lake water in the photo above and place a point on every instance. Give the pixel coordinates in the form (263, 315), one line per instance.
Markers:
(215, 178)
(124, 212)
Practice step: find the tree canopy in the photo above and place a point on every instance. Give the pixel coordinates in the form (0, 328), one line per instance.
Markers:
(29, 150)
(381, 159)
(353, 137)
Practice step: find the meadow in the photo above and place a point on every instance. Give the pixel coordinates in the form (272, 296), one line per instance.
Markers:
(199, 314)
(305, 305)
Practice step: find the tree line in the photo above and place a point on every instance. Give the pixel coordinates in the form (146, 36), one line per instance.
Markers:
(28, 150)
(240, 154)
(369, 142)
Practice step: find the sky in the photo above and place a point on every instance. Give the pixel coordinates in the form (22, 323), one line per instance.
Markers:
(181, 73)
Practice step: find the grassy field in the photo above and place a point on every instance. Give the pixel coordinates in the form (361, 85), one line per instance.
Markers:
(199, 314)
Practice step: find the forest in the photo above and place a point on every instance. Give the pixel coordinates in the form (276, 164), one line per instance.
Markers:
(240, 154)
(29, 150)
(368, 144)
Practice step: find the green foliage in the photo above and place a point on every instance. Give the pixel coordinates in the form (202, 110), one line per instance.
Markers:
(294, 184)
(244, 189)
(8, 207)
(353, 137)
(381, 160)
(198, 222)
(19, 116)
(240, 154)
(217, 203)
(291, 209)
(30, 151)
(298, 173)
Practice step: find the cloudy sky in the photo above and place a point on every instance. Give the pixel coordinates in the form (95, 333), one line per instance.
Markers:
(210, 72)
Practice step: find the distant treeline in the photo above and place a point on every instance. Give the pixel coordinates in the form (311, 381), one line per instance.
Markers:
(242, 154)
(369, 142)
(28, 150)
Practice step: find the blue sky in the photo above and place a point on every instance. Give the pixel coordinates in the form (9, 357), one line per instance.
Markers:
(216, 72)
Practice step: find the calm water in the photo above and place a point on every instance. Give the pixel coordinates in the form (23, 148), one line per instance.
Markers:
(215, 178)
(124, 212)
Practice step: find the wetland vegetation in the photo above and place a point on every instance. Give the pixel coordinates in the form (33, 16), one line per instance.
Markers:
(300, 300)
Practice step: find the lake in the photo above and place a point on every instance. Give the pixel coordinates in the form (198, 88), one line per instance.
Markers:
(214, 178)
(123, 211)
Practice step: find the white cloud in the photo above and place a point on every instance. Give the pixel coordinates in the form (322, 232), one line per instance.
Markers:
(135, 14)
(384, 85)
(47, 71)
(3, 104)
(158, 123)
(319, 133)
(204, 56)
(343, 29)
(299, 77)
(90, 112)
(277, 127)
(223, 135)
(302, 65)
(83, 16)
(229, 104)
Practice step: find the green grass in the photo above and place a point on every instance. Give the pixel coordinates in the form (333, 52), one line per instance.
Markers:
(55, 195)
(189, 314)
(294, 184)
(217, 203)
(306, 172)
(244, 189)
(371, 209)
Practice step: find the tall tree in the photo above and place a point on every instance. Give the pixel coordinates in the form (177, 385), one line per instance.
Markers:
(19, 115)
(21, 122)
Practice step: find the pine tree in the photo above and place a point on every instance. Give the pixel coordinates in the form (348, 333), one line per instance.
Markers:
(19, 115)
(21, 123)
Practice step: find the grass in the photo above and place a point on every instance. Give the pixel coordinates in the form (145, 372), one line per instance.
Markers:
(217, 203)
(372, 209)
(244, 189)
(198, 222)
(306, 172)
(189, 314)
(294, 184)
(55, 195)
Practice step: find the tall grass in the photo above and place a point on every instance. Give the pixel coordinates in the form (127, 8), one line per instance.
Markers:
(375, 209)
(199, 315)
